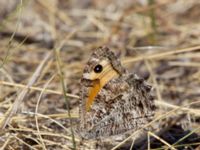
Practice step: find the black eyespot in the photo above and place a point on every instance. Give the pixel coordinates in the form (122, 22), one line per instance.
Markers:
(98, 68)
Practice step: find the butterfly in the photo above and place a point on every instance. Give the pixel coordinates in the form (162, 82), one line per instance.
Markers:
(113, 101)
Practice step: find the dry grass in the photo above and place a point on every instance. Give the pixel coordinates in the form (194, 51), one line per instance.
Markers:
(160, 42)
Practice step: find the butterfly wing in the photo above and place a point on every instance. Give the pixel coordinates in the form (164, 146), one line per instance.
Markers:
(123, 104)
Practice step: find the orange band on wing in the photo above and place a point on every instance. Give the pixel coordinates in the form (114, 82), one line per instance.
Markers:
(92, 94)
(98, 84)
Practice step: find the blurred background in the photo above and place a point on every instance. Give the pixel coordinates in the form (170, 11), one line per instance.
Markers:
(46, 43)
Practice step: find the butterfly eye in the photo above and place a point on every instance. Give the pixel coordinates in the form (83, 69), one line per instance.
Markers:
(98, 68)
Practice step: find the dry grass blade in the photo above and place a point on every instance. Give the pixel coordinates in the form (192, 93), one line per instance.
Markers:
(37, 89)
(164, 104)
(36, 111)
(63, 16)
(181, 145)
(61, 75)
(23, 93)
(12, 36)
(28, 131)
(5, 143)
(28, 145)
(156, 119)
(160, 139)
(195, 130)
(66, 99)
(161, 55)
(47, 117)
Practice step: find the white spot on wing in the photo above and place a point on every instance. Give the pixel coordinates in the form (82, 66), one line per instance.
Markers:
(86, 76)
(95, 59)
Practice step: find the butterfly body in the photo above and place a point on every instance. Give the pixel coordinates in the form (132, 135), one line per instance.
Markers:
(113, 101)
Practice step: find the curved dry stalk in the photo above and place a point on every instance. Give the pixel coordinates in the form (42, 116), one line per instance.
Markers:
(36, 110)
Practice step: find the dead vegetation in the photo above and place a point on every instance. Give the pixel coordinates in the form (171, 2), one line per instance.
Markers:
(43, 48)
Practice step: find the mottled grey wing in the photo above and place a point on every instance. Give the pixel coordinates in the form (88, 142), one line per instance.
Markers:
(124, 104)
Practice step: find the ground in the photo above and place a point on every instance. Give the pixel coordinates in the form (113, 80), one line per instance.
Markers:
(45, 44)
